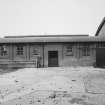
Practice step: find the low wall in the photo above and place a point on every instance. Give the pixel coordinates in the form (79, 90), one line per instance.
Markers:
(68, 61)
(18, 64)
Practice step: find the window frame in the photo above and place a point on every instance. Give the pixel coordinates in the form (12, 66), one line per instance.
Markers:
(69, 50)
(3, 51)
(19, 50)
(35, 52)
(86, 50)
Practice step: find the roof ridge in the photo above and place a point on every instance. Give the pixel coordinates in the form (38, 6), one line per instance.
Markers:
(75, 35)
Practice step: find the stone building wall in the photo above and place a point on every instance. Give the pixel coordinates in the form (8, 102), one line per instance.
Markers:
(69, 54)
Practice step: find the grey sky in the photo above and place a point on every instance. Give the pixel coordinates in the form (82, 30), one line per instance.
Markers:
(32, 17)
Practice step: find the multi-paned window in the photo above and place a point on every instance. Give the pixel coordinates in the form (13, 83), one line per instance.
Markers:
(86, 50)
(69, 50)
(3, 50)
(19, 50)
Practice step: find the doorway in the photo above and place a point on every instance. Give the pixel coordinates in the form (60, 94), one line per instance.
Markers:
(100, 57)
(52, 58)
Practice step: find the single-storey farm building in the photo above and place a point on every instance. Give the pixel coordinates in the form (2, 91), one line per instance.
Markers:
(50, 50)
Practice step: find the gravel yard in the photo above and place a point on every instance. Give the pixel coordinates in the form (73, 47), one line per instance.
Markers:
(53, 86)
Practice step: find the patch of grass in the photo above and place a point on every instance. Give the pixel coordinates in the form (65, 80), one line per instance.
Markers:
(9, 69)
(80, 101)
(52, 96)
(76, 100)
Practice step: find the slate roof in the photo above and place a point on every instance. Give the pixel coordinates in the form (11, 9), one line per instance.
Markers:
(24, 36)
(100, 27)
(52, 39)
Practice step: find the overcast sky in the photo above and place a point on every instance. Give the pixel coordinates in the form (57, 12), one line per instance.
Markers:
(41, 17)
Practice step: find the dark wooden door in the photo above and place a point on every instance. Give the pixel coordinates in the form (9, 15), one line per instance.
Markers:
(52, 58)
(100, 57)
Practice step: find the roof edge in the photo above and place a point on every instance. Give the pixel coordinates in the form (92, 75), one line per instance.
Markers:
(100, 27)
(24, 36)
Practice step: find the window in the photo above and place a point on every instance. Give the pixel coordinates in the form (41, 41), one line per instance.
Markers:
(69, 50)
(3, 50)
(19, 50)
(35, 52)
(98, 45)
(86, 50)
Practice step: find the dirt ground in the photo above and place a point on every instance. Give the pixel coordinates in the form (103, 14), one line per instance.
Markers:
(53, 86)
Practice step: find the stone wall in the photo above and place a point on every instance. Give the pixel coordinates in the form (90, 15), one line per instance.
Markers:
(77, 59)
(30, 56)
(53, 47)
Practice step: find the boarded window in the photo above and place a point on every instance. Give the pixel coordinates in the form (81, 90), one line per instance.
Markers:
(86, 50)
(69, 50)
(35, 51)
(3, 50)
(19, 50)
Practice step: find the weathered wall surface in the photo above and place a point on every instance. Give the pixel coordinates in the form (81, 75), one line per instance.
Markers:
(77, 59)
(53, 47)
(33, 51)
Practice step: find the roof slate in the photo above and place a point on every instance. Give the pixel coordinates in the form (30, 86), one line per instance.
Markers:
(52, 39)
(100, 27)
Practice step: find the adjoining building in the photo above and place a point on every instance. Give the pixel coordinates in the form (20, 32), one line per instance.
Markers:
(49, 50)
(101, 29)
(100, 51)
